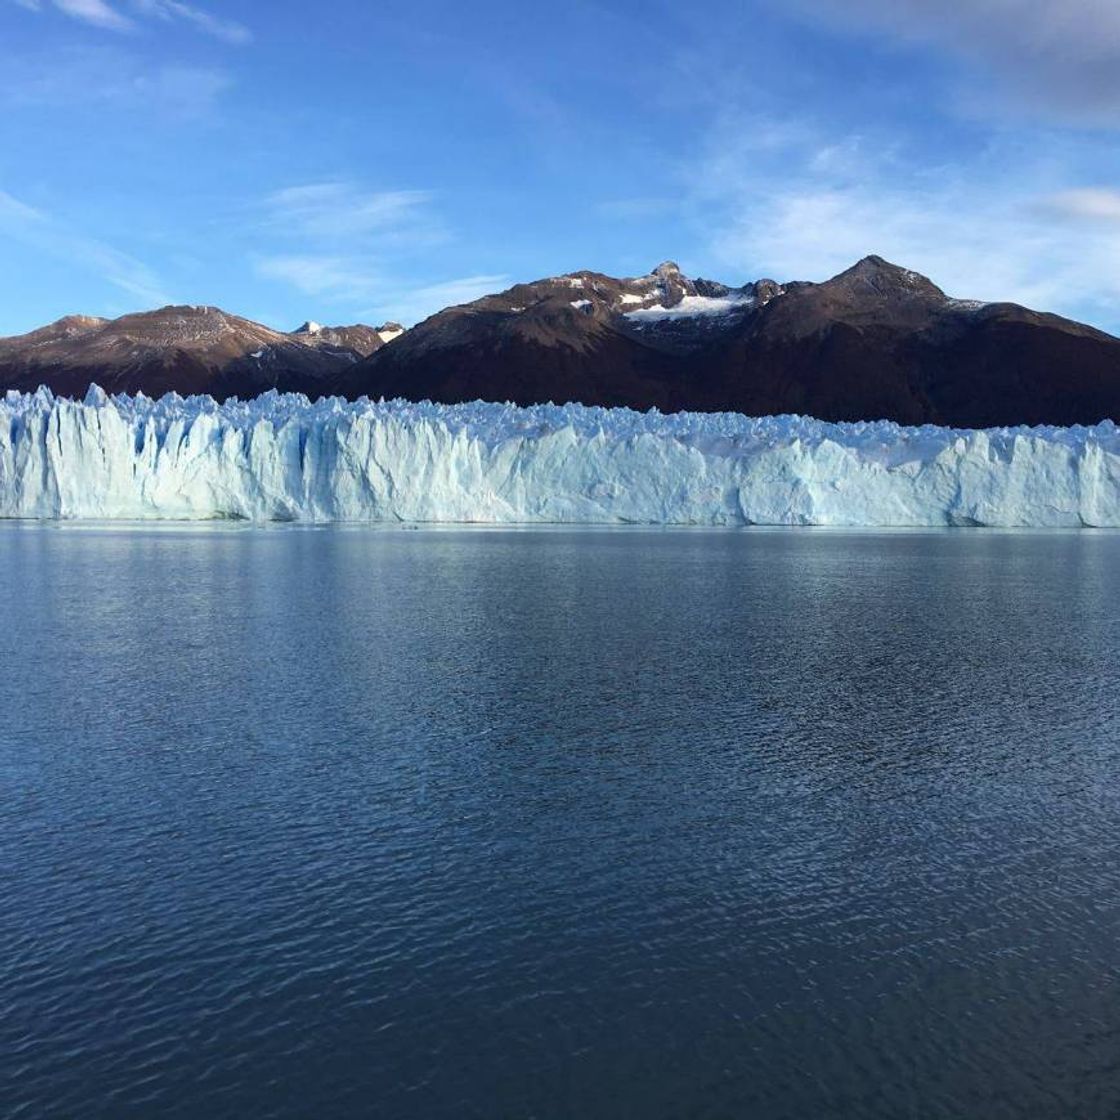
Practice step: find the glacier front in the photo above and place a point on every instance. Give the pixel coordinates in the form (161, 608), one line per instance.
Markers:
(284, 458)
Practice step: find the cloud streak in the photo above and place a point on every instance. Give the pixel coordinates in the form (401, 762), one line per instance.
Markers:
(410, 305)
(33, 228)
(1061, 59)
(171, 10)
(102, 14)
(343, 244)
(340, 210)
(96, 12)
(990, 229)
(96, 77)
(1094, 205)
(335, 278)
(345, 281)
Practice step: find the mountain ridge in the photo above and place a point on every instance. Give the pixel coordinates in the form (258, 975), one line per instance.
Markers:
(876, 341)
(188, 348)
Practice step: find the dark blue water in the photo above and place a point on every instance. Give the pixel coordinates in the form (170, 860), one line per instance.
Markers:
(302, 823)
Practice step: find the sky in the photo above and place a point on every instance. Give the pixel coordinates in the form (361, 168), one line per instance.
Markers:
(369, 160)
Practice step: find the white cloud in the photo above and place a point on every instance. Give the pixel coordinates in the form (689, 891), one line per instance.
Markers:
(100, 13)
(410, 305)
(1085, 204)
(340, 210)
(169, 10)
(359, 251)
(348, 282)
(351, 247)
(989, 229)
(97, 12)
(89, 76)
(1057, 56)
(334, 278)
(33, 228)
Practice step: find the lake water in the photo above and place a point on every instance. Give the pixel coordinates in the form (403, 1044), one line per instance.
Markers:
(441, 823)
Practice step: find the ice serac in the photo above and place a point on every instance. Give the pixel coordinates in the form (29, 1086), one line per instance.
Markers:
(280, 457)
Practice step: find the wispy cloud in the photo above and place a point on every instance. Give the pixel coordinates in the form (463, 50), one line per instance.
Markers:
(340, 210)
(1062, 59)
(96, 12)
(333, 278)
(410, 305)
(340, 243)
(1093, 205)
(348, 283)
(101, 76)
(100, 13)
(171, 10)
(39, 231)
(993, 228)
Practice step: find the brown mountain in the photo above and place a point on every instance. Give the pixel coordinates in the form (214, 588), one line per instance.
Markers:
(359, 338)
(877, 341)
(188, 349)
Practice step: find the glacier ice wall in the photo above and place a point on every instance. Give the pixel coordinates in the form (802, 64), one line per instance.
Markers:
(285, 458)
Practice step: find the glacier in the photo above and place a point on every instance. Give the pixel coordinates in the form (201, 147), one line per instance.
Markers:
(286, 458)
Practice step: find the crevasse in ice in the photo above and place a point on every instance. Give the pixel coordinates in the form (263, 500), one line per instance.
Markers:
(282, 457)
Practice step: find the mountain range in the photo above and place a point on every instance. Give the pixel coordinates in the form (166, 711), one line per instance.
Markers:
(875, 342)
(188, 349)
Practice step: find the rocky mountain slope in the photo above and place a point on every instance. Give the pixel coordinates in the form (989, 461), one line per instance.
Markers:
(875, 342)
(359, 338)
(189, 349)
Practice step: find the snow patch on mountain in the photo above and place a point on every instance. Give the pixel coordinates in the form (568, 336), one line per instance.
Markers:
(691, 307)
(284, 458)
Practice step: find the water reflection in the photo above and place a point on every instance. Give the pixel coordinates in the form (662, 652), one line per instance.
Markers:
(551, 823)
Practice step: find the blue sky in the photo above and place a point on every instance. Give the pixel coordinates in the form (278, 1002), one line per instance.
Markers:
(374, 160)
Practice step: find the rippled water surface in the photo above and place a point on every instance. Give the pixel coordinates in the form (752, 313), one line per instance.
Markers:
(310, 823)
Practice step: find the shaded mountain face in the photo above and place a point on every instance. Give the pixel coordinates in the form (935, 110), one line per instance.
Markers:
(187, 349)
(876, 342)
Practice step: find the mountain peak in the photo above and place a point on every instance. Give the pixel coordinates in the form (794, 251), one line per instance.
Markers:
(877, 340)
(388, 331)
(885, 278)
(358, 337)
